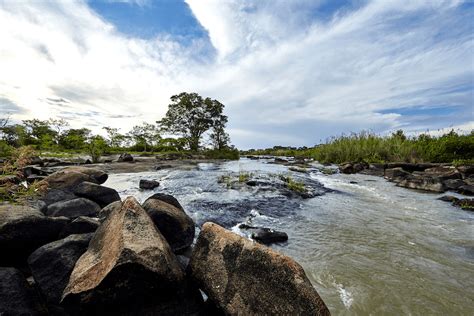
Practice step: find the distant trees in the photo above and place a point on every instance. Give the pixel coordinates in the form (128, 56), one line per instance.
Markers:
(190, 116)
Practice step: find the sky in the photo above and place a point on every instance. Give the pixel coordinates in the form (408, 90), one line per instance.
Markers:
(288, 72)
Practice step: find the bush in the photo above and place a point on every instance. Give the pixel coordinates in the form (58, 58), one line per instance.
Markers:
(230, 154)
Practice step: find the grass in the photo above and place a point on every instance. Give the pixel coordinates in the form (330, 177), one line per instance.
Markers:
(371, 148)
(244, 176)
(292, 184)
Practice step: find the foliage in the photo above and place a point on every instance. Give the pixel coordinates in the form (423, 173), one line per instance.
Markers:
(244, 176)
(294, 185)
(229, 154)
(96, 147)
(371, 148)
(190, 116)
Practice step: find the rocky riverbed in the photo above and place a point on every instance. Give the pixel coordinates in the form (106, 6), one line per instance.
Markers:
(81, 249)
(357, 238)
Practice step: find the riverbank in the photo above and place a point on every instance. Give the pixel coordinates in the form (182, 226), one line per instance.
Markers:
(84, 250)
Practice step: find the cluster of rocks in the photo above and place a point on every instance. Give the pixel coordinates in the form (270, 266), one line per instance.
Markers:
(83, 250)
(423, 176)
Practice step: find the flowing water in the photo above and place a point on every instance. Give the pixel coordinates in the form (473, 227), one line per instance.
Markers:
(368, 247)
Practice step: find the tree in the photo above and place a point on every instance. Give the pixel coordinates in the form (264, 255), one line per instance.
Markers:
(96, 146)
(145, 135)
(190, 116)
(75, 138)
(219, 137)
(115, 138)
(59, 126)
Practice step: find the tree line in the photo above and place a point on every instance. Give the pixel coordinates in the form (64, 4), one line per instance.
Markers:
(191, 123)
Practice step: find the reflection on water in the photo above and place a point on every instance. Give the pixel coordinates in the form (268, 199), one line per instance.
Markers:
(368, 246)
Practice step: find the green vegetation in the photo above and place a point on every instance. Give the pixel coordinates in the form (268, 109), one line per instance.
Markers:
(371, 148)
(292, 184)
(189, 120)
(13, 167)
(244, 176)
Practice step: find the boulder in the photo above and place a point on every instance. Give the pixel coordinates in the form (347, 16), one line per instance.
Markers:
(465, 204)
(171, 220)
(396, 174)
(97, 193)
(411, 167)
(466, 189)
(16, 295)
(466, 170)
(104, 213)
(125, 157)
(448, 198)
(57, 195)
(98, 176)
(52, 264)
(23, 229)
(148, 184)
(129, 268)
(453, 184)
(422, 182)
(67, 180)
(242, 277)
(74, 208)
(347, 168)
(81, 225)
(268, 236)
(32, 170)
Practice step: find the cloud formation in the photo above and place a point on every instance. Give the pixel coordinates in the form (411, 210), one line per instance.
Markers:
(287, 73)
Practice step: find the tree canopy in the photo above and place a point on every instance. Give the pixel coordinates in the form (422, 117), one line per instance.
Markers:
(190, 115)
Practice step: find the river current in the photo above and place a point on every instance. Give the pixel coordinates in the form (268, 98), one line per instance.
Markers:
(368, 247)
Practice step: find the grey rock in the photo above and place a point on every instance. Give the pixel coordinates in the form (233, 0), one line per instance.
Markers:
(74, 208)
(80, 225)
(100, 194)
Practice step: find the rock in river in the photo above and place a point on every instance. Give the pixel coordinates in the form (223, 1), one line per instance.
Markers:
(97, 193)
(23, 229)
(148, 184)
(171, 220)
(52, 264)
(129, 268)
(80, 225)
(16, 295)
(242, 277)
(74, 208)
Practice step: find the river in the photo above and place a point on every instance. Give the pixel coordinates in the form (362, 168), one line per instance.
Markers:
(368, 247)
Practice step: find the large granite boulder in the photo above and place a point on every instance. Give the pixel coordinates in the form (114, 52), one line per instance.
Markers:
(23, 229)
(52, 264)
(57, 195)
(74, 208)
(97, 175)
(81, 225)
(67, 180)
(112, 207)
(396, 174)
(16, 295)
(129, 268)
(97, 193)
(423, 182)
(125, 157)
(245, 278)
(171, 220)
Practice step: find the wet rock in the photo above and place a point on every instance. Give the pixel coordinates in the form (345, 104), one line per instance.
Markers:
(465, 204)
(422, 182)
(453, 184)
(23, 229)
(375, 169)
(466, 170)
(349, 168)
(17, 297)
(466, 189)
(298, 169)
(104, 212)
(74, 208)
(128, 268)
(171, 220)
(148, 184)
(268, 236)
(32, 170)
(396, 174)
(448, 198)
(97, 193)
(125, 157)
(80, 225)
(161, 167)
(57, 195)
(52, 264)
(242, 277)
(411, 167)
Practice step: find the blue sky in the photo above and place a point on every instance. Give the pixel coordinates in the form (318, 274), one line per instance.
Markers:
(289, 72)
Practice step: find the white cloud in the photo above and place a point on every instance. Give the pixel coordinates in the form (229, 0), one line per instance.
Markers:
(276, 66)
